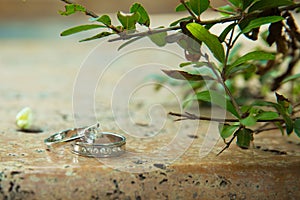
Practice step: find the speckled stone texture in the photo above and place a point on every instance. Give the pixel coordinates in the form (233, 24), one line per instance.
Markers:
(40, 73)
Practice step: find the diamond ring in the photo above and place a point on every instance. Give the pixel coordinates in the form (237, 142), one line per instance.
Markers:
(73, 134)
(106, 145)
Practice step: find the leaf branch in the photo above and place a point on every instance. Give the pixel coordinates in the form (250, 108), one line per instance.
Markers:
(190, 116)
(188, 9)
(221, 81)
(229, 142)
(92, 14)
(126, 36)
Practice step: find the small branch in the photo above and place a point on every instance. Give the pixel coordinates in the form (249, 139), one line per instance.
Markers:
(223, 11)
(190, 116)
(87, 12)
(221, 81)
(189, 10)
(142, 34)
(229, 46)
(265, 129)
(92, 14)
(229, 143)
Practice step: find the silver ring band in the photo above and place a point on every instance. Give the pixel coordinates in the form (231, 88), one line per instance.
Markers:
(69, 135)
(109, 145)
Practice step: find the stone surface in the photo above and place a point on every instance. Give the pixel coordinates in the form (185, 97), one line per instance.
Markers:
(175, 161)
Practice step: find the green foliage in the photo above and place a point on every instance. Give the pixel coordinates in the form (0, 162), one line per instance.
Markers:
(267, 4)
(144, 18)
(71, 9)
(227, 130)
(297, 127)
(78, 29)
(244, 137)
(199, 6)
(159, 39)
(216, 98)
(104, 19)
(98, 36)
(128, 21)
(211, 41)
(269, 69)
(256, 23)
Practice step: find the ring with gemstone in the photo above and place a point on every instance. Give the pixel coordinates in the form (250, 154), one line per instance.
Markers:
(71, 134)
(107, 145)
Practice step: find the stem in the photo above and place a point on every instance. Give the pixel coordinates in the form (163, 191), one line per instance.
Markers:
(265, 129)
(92, 14)
(221, 81)
(229, 46)
(87, 12)
(229, 143)
(189, 10)
(190, 116)
(142, 34)
(223, 11)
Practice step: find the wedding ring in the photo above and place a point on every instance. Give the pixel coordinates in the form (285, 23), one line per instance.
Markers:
(71, 134)
(108, 145)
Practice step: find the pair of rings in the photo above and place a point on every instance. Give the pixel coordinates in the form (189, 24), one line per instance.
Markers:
(90, 141)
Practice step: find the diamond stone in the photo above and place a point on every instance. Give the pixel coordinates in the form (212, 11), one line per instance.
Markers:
(102, 150)
(83, 150)
(96, 150)
(108, 150)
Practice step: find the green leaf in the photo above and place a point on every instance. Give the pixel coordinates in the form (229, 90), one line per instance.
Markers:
(227, 130)
(265, 103)
(289, 124)
(98, 36)
(297, 127)
(181, 7)
(182, 75)
(267, 115)
(71, 9)
(199, 6)
(254, 55)
(181, 20)
(283, 101)
(80, 28)
(247, 3)
(128, 21)
(244, 137)
(279, 126)
(227, 9)
(225, 32)
(144, 17)
(195, 64)
(291, 78)
(217, 99)
(105, 19)
(266, 4)
(129, 42)
(247, 68)
(211, 41)
(159, 38)
(236, 3)
(255, 23)
(248, 121)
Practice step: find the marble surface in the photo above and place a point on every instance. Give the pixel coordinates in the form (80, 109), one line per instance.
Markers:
(164, 159)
